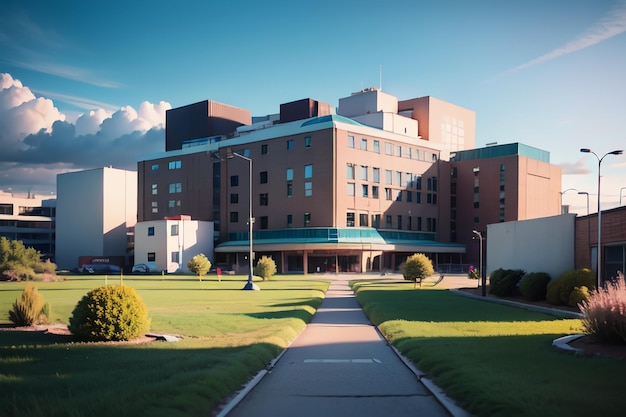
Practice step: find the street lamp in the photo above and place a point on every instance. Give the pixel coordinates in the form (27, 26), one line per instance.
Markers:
(563, 192)
(587, 194)
(482, 272)
(249, 285)
(599, 261)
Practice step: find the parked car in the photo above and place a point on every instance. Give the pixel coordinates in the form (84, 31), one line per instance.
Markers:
(145, 268)
(101, 269)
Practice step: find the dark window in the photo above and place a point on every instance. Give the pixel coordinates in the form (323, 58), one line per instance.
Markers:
(234, 180)
(234, 216)
(307, 219)
(363, 220)
(6, 209)
(264, 222)
(151, 231)
(263, 177)
(151, 257)
(263, 199)
(349, 219)
(290, 144)
(399, 222)
(307, 141)
(263, 149)
(289, 189)
(234, 198)
(290, 220)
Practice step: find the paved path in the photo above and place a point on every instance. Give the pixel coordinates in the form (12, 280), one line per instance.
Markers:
(339, 366)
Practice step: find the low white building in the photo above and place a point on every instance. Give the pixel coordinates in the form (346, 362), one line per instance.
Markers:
(172, 242)
(538, 245)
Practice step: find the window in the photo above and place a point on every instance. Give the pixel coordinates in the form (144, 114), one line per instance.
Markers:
(409, 196)
(399, 222)
(388, 221)
(376, 175)
(388, 148)
(264, 149)
(364, 190)
(234, 216)
(363, 144)
(363, 220)
(234, 180)
(173, 203)
(349, 219)
(398, 150)
(399, 195)
(308, 171)
(398, 178)
(388, 194)
(418, 197)
(376, 220)
(290, 144)
(155, 189)
(418, 182)
(289, 189)
(350, 188)
(175, 257)
(176, 187)
(419, 223)
(376, 146)
(234, 198)
(350, 141)
(374, 191)
(429, 198)
(263, 199)
(308, 189)
(350, 171)
(155, 167)
(409, 179)
(246, 153)
(289, 174)
(151, 257)
(174, 230)
(307, 219)
(6, 209)
(155, 207)
(264, 222)
(174, 165)
(263, 177)
(388, 177)
(363, 173)
(290, 220)
(151, 231)
(307, 141)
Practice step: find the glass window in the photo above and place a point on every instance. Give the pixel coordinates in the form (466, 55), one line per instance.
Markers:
(388, 148)
(234, 216)
(151, 257)
(364, 190)
(289, 189)
(388, 194)
(307, 141)
(308, 171)
(398, 178)
(388, 221)
(155, 167)
(350, 141)
(388, 177)
(263, 177)
(155, 189)
(174, 230)
(290, 220)
(290, 144)
(264, 149)
(349, 219)
(364, 173)
(174, 165)
(376, 174)
(350, 171)
(374, 191)
(175, 257)
(234, 198)
(376, 146)
(246, 152)
(307, 219)
(264, 222)
(350, 188)
(263, 199)
(176, 187)
(289, 174)
(363, 220)
(363, 144)
(234, 180)
(151, 231)
(308, 189)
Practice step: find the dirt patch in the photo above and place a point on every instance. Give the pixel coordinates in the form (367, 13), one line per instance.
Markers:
(63, 334)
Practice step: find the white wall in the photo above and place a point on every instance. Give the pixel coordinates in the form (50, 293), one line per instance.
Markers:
(538, 245)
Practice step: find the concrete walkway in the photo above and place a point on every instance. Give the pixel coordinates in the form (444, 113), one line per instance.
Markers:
(341, 366)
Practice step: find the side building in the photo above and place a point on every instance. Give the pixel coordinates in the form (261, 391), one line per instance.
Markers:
(29, 219)
(96, 215)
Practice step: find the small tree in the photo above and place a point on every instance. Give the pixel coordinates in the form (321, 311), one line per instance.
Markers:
(416, 268)
(199, 265)
(30, 309)
(265, 268)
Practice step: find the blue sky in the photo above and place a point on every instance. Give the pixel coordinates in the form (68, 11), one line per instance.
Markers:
(549, 74)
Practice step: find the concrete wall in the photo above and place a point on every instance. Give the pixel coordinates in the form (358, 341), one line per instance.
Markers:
(538, 245)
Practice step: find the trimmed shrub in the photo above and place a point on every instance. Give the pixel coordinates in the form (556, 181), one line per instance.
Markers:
(30, 309)
(199, 265)
(110, 313)
(558, 290)
(416, 268)
(505, 283)
(604, 314)
(265, 267)
(533, 286)
(577, 296)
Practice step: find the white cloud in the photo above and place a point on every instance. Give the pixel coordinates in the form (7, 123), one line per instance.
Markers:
(611, 25)
(38, 142)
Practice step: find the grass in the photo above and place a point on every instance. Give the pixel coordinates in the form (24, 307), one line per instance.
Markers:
(228, 336)
(494, 360)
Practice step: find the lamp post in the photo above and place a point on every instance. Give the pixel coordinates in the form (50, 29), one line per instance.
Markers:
(587, 194)
(249, 284)
(599, 261)
(480, 263)
(563, 192)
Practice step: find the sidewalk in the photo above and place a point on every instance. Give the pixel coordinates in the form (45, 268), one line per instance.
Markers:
(340, 366)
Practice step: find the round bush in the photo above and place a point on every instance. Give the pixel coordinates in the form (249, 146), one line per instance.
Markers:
(506, 282)
(112, 313)
(559, 290)
(578, 295)
(533, 286)
(265, 267)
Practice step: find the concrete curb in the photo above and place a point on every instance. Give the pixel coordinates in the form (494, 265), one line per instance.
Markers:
(562, 343)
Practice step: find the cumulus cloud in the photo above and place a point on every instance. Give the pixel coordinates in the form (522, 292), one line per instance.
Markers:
(575, 168)
(38, 142)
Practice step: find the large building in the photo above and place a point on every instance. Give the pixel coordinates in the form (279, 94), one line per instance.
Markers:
(96, 215)
(357, 190)
(29, 219)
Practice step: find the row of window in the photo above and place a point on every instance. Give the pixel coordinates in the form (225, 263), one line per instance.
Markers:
(174, 257)
(170, 165)
(393, 150)
(431, 222)
(171, 204)
(174, 188)
(174, 229)
(391, 194)
(399, 178)
(264, 220)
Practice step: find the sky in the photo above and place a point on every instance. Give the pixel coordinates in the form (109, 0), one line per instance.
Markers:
(85, 85)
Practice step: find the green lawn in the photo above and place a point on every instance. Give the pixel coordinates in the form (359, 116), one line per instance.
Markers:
(228, 336)
(494, 360)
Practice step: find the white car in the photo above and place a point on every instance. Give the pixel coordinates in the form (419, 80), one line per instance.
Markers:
(145, 268)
